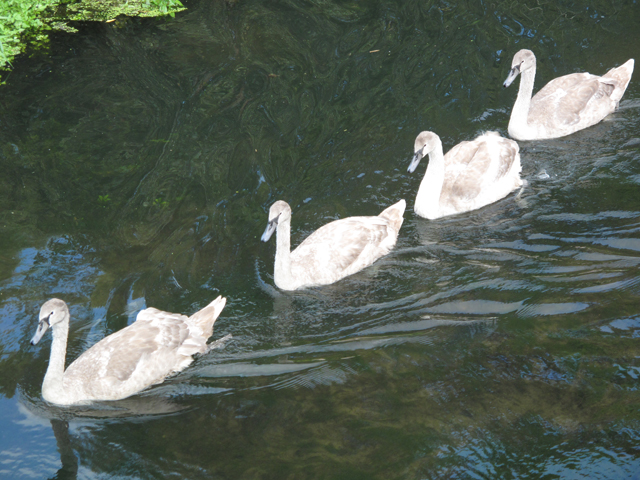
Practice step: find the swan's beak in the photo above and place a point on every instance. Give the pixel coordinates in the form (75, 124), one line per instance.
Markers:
(43, 326)
(271, 227)
(416, 160)
(515, 71)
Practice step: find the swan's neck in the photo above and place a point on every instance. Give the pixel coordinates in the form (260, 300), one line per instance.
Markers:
(428, 197)
(518, 124)
(282, 269)
(52, 388)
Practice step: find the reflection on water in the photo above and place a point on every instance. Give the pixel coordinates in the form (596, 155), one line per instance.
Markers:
(139, 160)
(68, 459)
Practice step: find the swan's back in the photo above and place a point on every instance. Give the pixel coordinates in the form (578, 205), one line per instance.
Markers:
(479, 172)
(572, 102)
(157, 344)
(345, 246)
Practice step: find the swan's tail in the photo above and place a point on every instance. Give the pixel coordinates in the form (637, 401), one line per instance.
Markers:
(622, 76)
(206, 317)
(394, 214)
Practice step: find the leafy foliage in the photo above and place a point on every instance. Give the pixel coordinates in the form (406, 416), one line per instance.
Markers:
(20, 21)
(23, 22)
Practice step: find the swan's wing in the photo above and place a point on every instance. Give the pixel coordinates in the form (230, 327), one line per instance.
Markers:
(464, 165)
(565, 98)
(507, 155)
(154, 333)
(479, 165)
(339, 244)
(460, 155)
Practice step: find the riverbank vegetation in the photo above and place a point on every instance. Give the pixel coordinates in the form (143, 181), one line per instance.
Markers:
(24, 23)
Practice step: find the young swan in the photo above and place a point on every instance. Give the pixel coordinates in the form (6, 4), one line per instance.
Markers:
(157, 344)
(471, 175)
(332, 252)
(564, 105)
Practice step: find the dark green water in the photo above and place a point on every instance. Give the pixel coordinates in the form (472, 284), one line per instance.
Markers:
(137, 163)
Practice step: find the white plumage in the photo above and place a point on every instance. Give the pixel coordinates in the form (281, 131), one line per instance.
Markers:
(157, 344)
(334, 251)
(564, 105)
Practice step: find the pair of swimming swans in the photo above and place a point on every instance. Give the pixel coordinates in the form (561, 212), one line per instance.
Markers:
(477, 173)
(160, 343)
(471, 175)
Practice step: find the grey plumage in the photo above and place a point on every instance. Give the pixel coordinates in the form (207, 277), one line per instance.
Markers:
(334, 251)
(471, 175)
(157, 344)
(564, 105)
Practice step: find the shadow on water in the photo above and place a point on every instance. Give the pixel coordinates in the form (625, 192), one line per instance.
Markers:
(139, 160)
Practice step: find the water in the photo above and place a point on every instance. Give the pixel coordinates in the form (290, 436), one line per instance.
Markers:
(139, 160)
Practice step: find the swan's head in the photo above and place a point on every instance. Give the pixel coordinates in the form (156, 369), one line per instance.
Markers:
(522, 61)
(425, 143)
(278, 213)
(52, 313)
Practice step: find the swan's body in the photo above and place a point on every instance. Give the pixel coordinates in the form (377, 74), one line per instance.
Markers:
(471, 175)
(334, 251)
(157, 344)
(564, 105)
